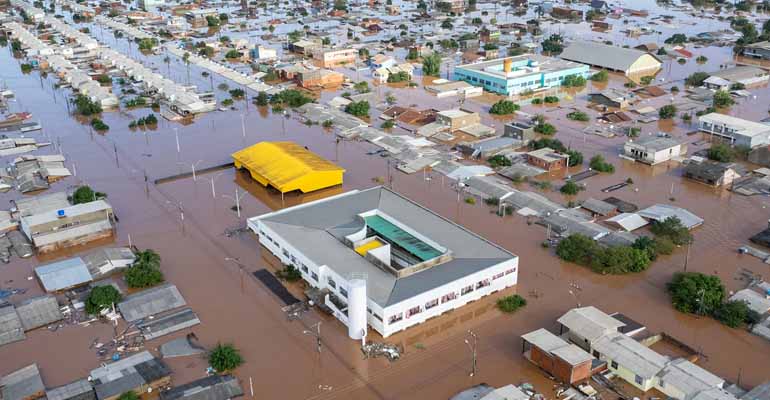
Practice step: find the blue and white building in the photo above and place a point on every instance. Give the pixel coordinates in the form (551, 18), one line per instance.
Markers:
(512, 75)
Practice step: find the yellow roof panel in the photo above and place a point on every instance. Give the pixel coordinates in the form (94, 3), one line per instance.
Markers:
(281, 163)
(364, 248)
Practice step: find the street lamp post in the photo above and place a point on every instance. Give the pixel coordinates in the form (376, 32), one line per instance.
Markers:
(243, 125)
(176, 136)
(195, 178)
(213, 191)
(237, 200)
(241, 267)
(472, 346)
(315, 333)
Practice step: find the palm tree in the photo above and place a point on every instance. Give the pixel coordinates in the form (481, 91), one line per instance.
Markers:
(167, 60)
(186, 59)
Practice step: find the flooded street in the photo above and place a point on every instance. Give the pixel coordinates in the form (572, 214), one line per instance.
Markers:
(185, 221)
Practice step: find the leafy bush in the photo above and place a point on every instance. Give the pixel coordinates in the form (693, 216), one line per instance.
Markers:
(289, 273)
(400, 76)
(677, 38)
(233, 54)
(701, 59)
(573, 81)
(693, 292)
(130, 395)
(545, 129)
(327, 123)
(262, 99)
(575, 157)
(722, 99)
(696, 78)
(570, 188)
(237, 93)
(646, 80)
(227, 102)
(504, 107)
(553, 45)
(601, 76)
(721, 152)
(101, 297)
(672, 229)
(292, 97)
(733, 313)
(555, 144)
(667, 112)
(599, 164)
(135, 102)
(499, 161)
(551, 99)
(145, 271)
(537, 101)
(389, 124)
(577, 248)
(358, 108)
(84, 194)
(225, 357)
(362, 87)
(85, 106)
(99, 125)
(578, 116)
(510, 304)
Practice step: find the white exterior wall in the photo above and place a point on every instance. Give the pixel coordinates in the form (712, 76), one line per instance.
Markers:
(651, 157)
(454, 287)
(374, 310)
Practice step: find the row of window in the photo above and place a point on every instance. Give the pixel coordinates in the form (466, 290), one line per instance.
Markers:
(449, 297)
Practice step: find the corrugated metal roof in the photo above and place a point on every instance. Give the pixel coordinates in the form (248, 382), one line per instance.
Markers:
(150, 302)
(10, 325)
(22, 384)
(282, 164)
(603, 55)
(78, 390)
(38, 311)
(63, 274)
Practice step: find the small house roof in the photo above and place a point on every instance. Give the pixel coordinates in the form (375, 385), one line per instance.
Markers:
(597, 206)
(628, 221)
(10, 325)
(38, 311)
(215, 387)
(63, 274)
(589, 322)
(150, 302)
(22, 384)
(79, 390)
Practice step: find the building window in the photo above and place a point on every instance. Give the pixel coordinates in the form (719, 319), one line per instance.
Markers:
(510, 271)
(483, 283)
(331, 282)
(395, 318)
(431, 304)
(413, 311)
(662, 383)
(448, 297)
(597, 354)
(314, 276)
(344, 292)
(498, 276)
(377, 316)
(614, 365)
(304, 268)
(285, 252)
(638, 379)
(466, 290)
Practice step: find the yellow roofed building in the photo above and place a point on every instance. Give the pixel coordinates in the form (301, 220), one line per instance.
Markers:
(288, 166)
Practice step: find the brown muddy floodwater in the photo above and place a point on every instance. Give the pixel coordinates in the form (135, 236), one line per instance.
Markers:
(280, 360)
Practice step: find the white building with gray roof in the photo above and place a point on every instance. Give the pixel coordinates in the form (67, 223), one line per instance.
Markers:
(413, 263)
(653, 149)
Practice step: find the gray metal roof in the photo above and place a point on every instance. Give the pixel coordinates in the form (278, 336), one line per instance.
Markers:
(589, 322)
(655, 143)
(71, 211)
(42, 203)
(630, 354)
(10, 325)
(22, 384)
(314, 229)
(214, 387)
(127, 374)
(78, 390)
(63, 274)
(38, 311)
(628, 221)
(150, 302)
(688, 377)
(603, 55)
(167, 324)
(598, 207)
(760, 392)
(661, 212)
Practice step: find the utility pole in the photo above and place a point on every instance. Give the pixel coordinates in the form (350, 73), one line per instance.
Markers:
(472, 346)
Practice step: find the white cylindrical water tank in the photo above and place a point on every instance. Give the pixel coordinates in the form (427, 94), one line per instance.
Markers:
(357, 309)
